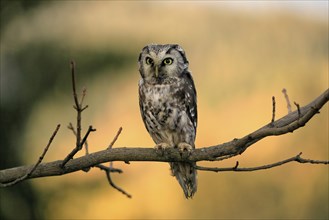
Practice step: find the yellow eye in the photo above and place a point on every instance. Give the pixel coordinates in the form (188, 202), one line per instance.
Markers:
(149, 61)
(168, 61)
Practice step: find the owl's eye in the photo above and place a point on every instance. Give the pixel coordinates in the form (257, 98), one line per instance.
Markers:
(149, 61)
(168, 61)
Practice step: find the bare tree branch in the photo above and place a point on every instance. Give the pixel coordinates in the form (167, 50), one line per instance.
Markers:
(115, 138)
(77, 133)
(273, 110)
(115, 186)
(110, 168)
(298, 108)
(236, 168)
(79, 147)
(284, 91)
(78, 107)
(286, 124)
(28, 174)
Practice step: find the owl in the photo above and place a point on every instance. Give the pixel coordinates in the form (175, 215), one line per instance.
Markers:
(167, 99)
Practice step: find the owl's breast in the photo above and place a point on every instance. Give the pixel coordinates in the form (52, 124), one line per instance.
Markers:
(164, 113)
(163, 103)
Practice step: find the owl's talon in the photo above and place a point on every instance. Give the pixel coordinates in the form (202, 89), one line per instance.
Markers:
(161, 148)
(185, 149)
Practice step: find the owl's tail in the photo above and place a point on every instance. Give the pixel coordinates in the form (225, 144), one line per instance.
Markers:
(186, 175)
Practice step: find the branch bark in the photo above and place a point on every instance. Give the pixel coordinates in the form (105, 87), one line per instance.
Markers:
(236, 168)
(33, 168)
(286, 124)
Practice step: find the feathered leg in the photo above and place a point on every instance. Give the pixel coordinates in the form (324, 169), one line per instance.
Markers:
(184, 172)
(186, 175)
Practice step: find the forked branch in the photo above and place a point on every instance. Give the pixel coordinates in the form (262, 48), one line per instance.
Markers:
(289, 123)
(286, 124)
(236, 168)
(29, 173)
(78, 106)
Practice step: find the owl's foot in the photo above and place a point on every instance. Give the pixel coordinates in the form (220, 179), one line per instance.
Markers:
(184, 149)
(161, 148)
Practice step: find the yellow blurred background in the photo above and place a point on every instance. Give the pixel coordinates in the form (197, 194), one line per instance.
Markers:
(241, 54)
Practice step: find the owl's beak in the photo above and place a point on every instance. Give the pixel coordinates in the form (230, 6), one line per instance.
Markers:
(156, 71)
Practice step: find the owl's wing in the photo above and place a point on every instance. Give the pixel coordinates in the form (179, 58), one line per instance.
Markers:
(191, 99)
(141, 102)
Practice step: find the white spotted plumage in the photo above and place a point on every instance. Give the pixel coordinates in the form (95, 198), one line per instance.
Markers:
(167, 99)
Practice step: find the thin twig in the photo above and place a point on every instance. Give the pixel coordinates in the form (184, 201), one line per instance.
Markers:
(284, 91)
(273, 110)
(84, 93)
(84, 139)
(236, 168)
(115, 186)
(77, 106)
(298, 109)
(115, 138)
(76, 149)
(27, 175)
(75, 96)
(86, 148)
(70, 126)
(109, 169)
(302, 160)
(84, 108)
(79, 109)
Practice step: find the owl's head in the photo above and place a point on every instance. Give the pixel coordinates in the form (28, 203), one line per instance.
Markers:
(160, 62)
